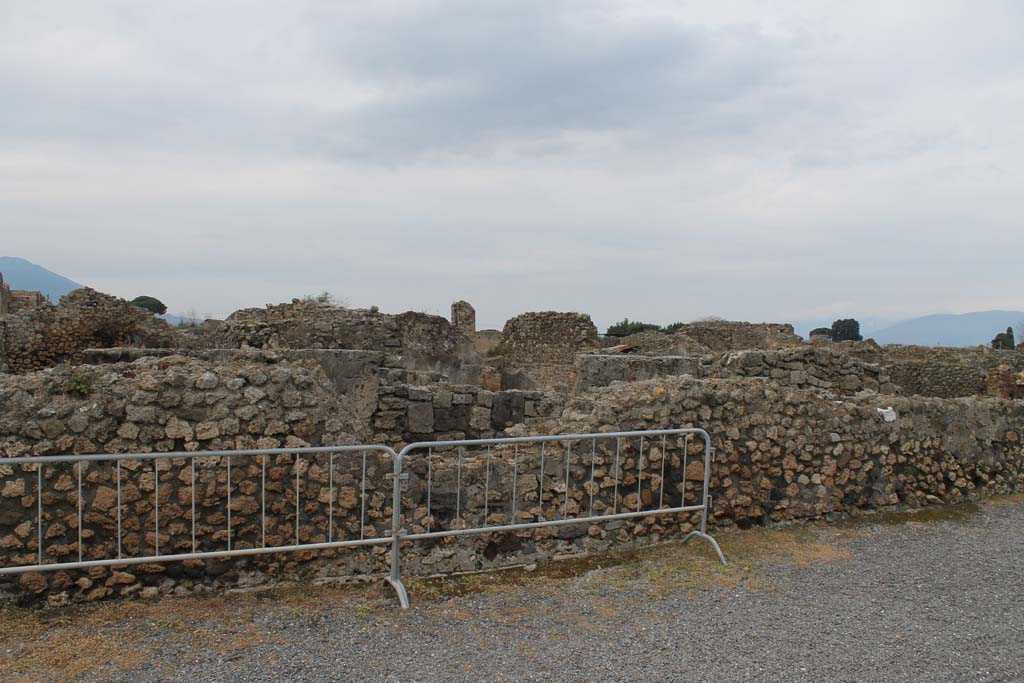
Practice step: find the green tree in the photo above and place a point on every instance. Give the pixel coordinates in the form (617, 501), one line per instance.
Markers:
(847, 329)
(151, 304)
(1004, 340)
(821, 332)
(628, 327)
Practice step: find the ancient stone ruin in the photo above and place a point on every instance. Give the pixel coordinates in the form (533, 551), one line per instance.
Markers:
(802, 430)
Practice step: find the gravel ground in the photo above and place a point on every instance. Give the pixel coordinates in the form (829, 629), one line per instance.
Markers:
(924, 600)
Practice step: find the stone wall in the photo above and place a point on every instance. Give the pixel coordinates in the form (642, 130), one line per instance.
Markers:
(355, 374)
(782, 454)
(537, 350)
(441, 412)
(486, 341)
(723, 335)
(807, 367)
(819, 367)
(599, 370)
(785, 453)
(653, 343)
(464, 318)
(425, 342)
(942, 372)
(1004, 382)
(25, 299)
(42, 336)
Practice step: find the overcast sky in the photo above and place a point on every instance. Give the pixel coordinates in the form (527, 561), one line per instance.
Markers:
(657, 160)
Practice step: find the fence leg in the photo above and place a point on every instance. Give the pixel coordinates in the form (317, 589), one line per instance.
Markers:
(395, 577)
(703, 534)
(709, 457)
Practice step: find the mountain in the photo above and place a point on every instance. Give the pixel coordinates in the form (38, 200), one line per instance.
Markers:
(21, 274)
(177, 319)
(964, 329)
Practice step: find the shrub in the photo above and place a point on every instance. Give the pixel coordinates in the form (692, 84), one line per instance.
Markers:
(821, 332)
(151, 304)
(326, 297)
(78, 384)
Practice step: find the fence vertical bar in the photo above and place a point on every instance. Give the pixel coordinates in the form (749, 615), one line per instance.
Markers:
(229, 502)
(568, 455)
(298, 477)
(458, 486)
(430, 476)
(639, 474)
(362, 502)
(686, 452)
(664, 456)
(709, 454)
(119, 511)
(330, 499)
(705, 497)
(615, 492)
(593, 459)
(515, 480)
(395, 577)
(39, 511)
(80, 511)
(156, 506)
(540, 482)
(263, 500)
(487, 485)
(193, 487)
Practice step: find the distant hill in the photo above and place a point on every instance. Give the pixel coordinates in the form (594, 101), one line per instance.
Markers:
(964, 329)
(21, 274)
(180, 319)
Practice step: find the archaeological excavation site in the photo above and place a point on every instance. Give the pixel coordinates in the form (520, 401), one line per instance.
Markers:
(308, 442)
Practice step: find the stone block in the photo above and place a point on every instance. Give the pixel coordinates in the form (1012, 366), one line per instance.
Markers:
(421, 417)
(480, 418)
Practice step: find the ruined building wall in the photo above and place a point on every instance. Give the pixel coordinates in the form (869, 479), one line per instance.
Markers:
(722, 335)
(806, 367)
(42, 336)
(785, 453)
(25, 299)
(442, 412)
(464, 318)
(945, 372)
(600, 370)
(425, 342)
(654, 343)
(782, 454)
(537, 350)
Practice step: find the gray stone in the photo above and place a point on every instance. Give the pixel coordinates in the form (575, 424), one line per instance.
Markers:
(421, 417)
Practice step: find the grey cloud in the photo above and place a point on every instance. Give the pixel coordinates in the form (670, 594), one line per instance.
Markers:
(462, 78)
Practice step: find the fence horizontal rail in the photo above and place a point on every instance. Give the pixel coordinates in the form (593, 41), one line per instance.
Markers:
(140, 508)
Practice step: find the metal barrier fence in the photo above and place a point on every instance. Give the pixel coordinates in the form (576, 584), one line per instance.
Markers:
(548, 481)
